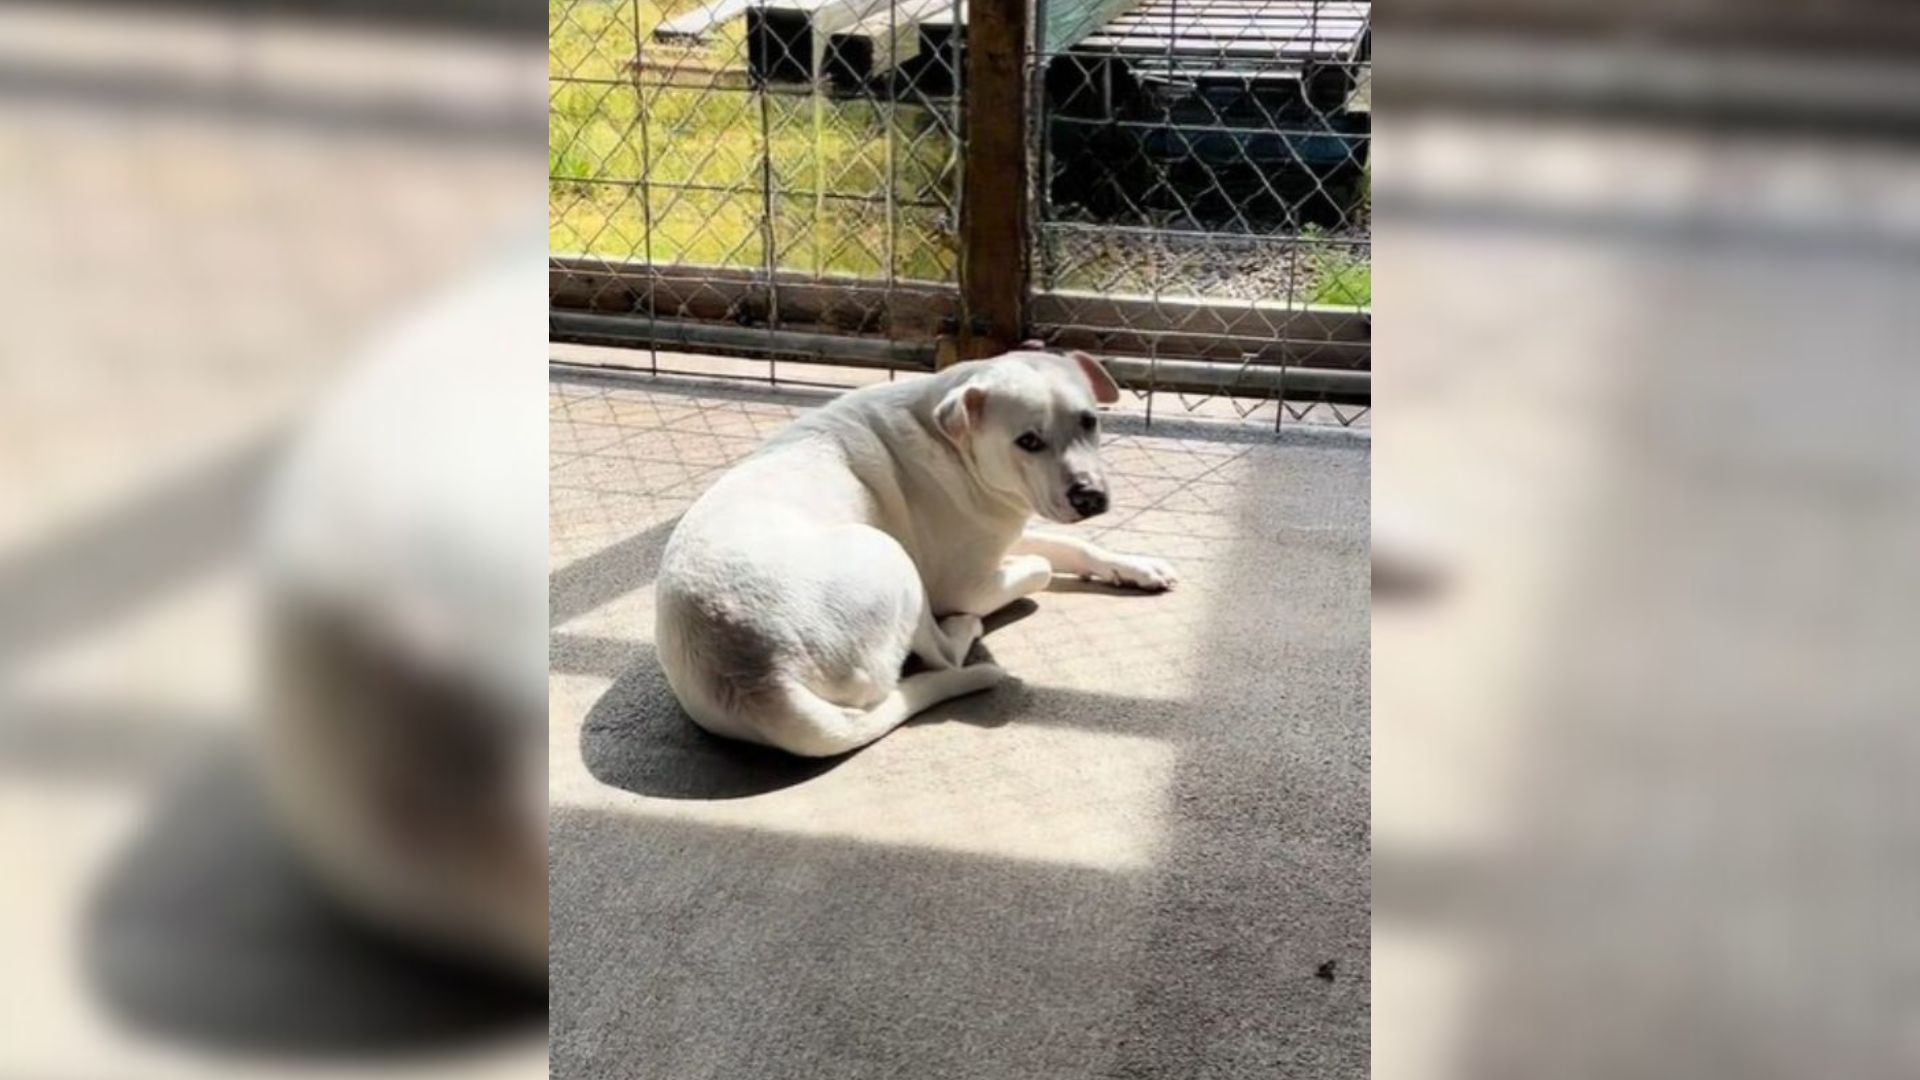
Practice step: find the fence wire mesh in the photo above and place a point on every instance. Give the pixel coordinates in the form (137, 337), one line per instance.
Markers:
(1201, 194)
(782, 179)
(757, 166)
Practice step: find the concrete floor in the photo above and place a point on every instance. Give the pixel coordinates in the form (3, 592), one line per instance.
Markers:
(1147, 856)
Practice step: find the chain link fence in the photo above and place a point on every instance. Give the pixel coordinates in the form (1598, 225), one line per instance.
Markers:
(782, 179)
(1201, 209)
(730, 171)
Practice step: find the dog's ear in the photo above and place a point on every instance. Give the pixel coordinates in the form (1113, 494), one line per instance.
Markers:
(1033, 343)
(959, 412)
(1105, 390)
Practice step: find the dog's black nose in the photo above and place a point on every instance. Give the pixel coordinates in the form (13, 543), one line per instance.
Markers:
(1087, 500)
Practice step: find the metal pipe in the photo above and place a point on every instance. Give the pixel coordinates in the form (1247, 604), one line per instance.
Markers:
(730, 338)
(1335, 385)
(1343, 387)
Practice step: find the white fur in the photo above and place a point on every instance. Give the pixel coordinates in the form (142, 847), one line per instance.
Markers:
(882, 525)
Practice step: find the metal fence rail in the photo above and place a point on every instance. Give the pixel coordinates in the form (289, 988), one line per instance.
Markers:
(1177, 185)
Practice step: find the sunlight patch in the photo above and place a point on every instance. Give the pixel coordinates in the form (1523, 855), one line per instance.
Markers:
(1017, 791)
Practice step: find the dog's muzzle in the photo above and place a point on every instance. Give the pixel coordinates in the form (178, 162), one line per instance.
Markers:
(1087, 500)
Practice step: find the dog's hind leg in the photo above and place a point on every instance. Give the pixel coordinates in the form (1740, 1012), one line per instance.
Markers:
(806, 724)
(944, 643)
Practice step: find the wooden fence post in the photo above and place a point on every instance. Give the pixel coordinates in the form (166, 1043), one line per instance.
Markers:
(993, 240)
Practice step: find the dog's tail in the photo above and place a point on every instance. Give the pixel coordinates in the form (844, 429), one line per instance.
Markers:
(815, 727)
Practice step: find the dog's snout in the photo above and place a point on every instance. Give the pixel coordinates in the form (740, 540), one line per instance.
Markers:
(1087, 500)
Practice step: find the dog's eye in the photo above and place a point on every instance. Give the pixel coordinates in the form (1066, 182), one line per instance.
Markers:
(1087, 421)
(1031, 443)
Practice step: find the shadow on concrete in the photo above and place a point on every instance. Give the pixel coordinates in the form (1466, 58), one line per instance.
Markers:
(102, 567)
(1010, 614)
(1067, 583)
(102, 741)
(607, 574)
(638, 739)
(209, 930)
(781, 957)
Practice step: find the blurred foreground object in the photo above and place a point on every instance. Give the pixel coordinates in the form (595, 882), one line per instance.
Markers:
(205, 209)
(1646, 344)
(405, 569)
(1409, 560)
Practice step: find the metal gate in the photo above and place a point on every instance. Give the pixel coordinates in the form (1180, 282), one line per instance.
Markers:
(1177, 185)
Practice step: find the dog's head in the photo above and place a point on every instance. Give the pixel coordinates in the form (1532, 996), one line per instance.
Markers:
(1027, 423)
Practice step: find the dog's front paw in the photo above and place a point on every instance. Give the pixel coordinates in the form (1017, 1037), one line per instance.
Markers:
(1140, 572)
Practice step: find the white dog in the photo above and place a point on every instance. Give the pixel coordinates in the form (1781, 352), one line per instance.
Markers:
(884, 524)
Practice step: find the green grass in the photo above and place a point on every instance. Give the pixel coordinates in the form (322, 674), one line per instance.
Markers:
(1339, 273)
(678, 175)
(1345, 280)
